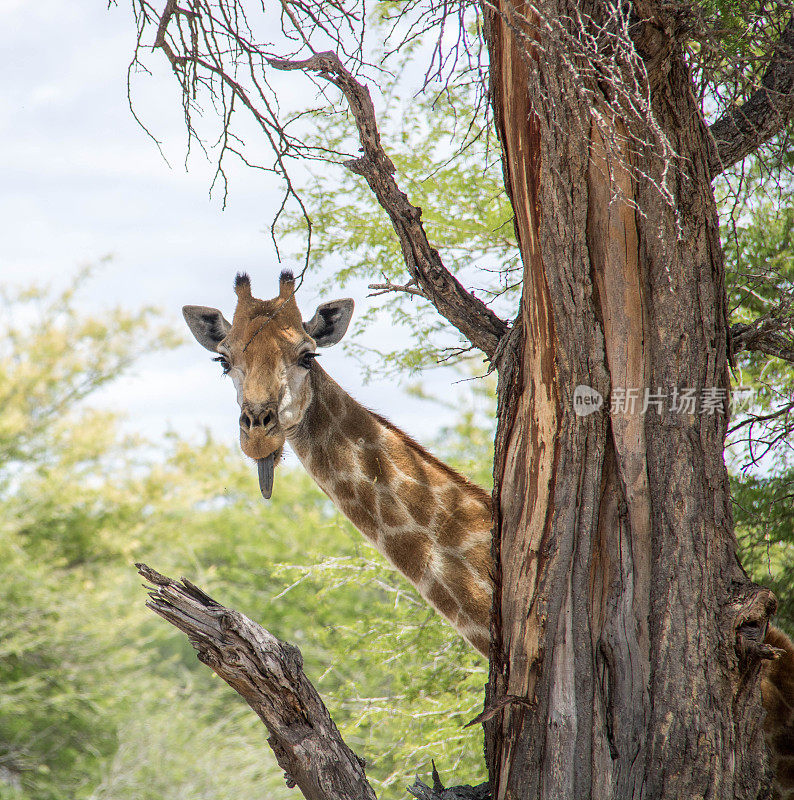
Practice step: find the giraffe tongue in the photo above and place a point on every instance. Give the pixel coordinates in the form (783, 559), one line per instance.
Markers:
(265, 467)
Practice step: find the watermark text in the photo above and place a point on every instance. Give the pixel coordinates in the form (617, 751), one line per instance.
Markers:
(709, 400)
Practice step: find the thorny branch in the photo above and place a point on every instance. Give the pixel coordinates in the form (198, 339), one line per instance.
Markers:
(613, 51)
(773, 430)
(772, 335)
(389, 286)
(759, 434)
(610, 76)
(467, 313)
(213, 51)
(212, 47)
(741, 131)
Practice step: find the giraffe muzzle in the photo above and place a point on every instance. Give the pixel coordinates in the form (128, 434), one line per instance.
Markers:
(266, 467)
(259, 416)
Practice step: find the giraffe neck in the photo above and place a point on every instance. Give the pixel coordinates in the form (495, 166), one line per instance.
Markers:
(431, 523)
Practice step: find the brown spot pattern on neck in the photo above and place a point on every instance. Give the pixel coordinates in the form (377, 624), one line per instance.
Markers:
(432, 523)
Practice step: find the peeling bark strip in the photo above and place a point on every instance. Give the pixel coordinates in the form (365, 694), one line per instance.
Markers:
(617, 579)
(526, 442)
(466, 312)
(622, 550)
(268, 674)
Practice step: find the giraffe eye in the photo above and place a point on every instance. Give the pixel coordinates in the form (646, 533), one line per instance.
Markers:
(224, 362)
(306, 359)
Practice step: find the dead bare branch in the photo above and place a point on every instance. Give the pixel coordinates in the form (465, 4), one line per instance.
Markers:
(268, 674)
(465, 311)
(438, 792)
(741, 131)
(388, 286)
(754, 419)
(424, 792)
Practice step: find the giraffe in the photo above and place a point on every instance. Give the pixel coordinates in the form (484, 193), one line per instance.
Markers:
(431, 523)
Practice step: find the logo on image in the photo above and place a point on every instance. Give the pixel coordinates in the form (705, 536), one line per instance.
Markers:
(586, 400)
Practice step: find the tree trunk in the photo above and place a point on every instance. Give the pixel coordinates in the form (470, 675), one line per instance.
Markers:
(618, 588)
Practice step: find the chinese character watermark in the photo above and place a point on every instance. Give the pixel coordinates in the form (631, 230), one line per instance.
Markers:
(684, 401)
(710, 400)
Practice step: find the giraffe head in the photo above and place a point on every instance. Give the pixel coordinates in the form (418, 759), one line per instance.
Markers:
(268, 352)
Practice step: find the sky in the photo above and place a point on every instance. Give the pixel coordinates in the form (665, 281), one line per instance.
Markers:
(81, 180)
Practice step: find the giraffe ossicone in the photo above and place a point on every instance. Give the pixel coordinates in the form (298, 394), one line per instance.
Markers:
(433, 524)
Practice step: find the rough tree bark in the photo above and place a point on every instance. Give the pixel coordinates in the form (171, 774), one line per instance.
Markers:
(619, 594)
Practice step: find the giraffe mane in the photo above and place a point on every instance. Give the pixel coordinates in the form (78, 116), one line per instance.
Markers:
(452, 474)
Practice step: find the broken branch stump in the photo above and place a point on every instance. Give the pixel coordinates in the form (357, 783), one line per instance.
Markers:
(268, 674)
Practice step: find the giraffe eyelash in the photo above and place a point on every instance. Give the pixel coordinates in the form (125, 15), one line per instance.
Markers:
(224, 362)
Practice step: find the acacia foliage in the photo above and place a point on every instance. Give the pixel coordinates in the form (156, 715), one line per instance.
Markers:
(99, 699)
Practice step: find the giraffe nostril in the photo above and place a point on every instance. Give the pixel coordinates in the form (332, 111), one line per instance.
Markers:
(258, 416)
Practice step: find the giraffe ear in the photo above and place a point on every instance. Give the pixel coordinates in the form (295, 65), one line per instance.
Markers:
(208, 325)
(330, 321)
